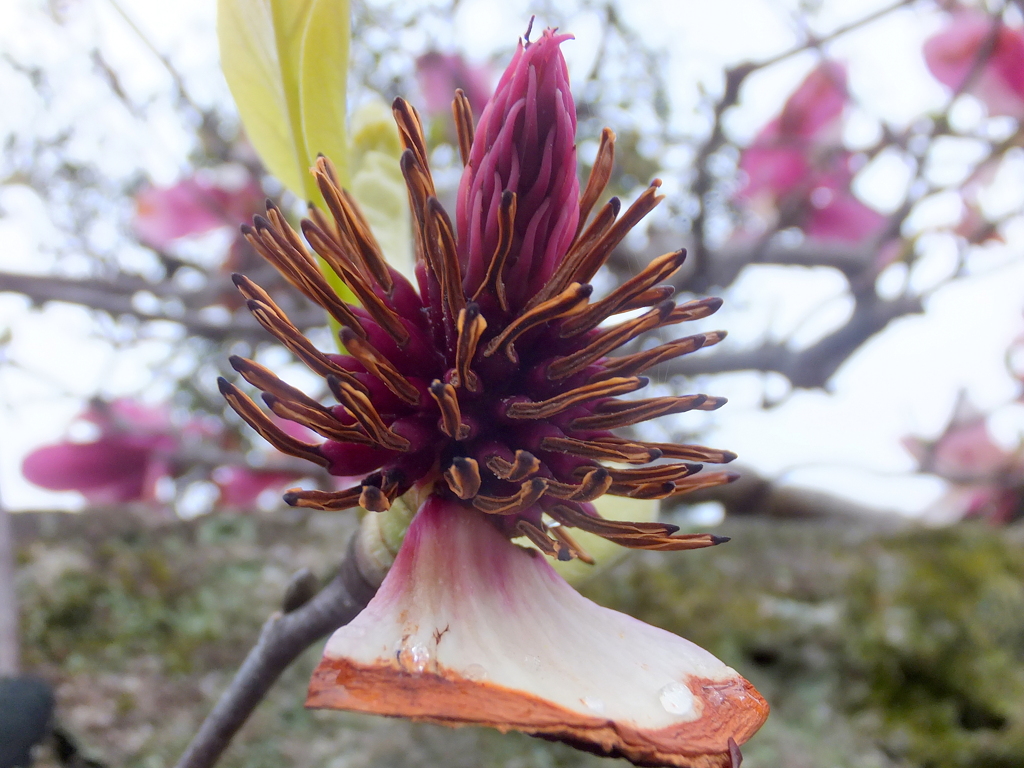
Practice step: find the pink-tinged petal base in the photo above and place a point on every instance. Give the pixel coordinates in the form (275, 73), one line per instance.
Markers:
(470, 629)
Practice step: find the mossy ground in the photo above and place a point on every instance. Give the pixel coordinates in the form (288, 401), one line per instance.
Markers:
(875, 648)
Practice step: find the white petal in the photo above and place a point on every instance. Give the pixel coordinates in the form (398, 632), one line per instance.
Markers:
(469, 628)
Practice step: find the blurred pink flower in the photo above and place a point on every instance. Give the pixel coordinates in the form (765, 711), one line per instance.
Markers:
(439, 74)
(951, 56)
(123, 464)
(240, 487)
(795, 165)
(193, 206)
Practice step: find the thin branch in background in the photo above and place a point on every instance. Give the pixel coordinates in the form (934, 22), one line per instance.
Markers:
(10, 648)
(282, 640)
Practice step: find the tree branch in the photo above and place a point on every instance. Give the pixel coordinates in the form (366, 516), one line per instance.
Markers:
(811, 367)
(283, 638)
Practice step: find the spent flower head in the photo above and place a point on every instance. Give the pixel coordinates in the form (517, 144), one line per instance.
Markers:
(487, 397)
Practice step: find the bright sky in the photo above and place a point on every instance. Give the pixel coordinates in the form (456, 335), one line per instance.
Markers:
(847, 440)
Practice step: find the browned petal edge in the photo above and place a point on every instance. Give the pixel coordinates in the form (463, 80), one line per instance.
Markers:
(730, 708)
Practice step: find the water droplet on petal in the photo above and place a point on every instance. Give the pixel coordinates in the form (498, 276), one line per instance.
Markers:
(412, 658)
(677, 699)
(475, 672)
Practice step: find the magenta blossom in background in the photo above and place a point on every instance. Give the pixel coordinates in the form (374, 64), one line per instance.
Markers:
(440, 74)
(123, 464)
(241, 487)
(951, 56)
(795, 164)
(193, 206)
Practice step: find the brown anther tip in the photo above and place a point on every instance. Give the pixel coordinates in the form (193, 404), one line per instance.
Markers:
(237, 278)
(715, 303)
(564, 554)
(225, 386)
(507, 197)
(644, 381)
(291, 497)
(655, 183)
(719, 539)
(261, 222)
(655, 454)
(398, 103)
(237, 362)
(437, 387)
(615, 204)
(728, 456)
(585, 290)
(732, 477)
(247, 231)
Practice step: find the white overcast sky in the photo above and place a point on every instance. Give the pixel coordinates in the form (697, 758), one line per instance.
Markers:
(902, 382)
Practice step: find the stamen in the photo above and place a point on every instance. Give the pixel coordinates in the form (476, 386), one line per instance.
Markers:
(529, 493)
(273, 434)
(705, 480)
(338, 261)
(278, 325)
(451, 416)
(352, 225)
(685, 452)
(567, 268)
(298, 269)
(659, 269)
(642, 361)
(373, 499)
(559, 403)
(597, 255)
(538, 537)
(324, 424)
(493, 281)
(564, 304)
(600, 173)
(463, 477)
(596, 483)
(593, 523)
(265, 380)
(627, 453)
(463, 113)
(410, 130)
(608, 340)
(570, 544)
(649, 298)
(613, 414)
(470, 326)
(670, 543)
(379, 366)
(643, 490)
(446, 256)
(659, 472)
(524, 465)
(328, 501)
(694, 310)
(362, 410)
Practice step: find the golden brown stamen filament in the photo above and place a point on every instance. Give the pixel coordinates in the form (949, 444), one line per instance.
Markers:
(608, 340)
(298, 269)
(493, 281)
(451, 415)
(565, 270)
(446, 255)
(627, 453)
(267, 381)
(683, 452)
(705, 480)
(557, 404)
(538, 537)
(659, 490)
(659, 269)
(299, 345)
(572, 548)
(410, 130)
(463, 477)
(328, 501)
(567, 515)
(595, 484)
(470, 326)
(564, 304)
(600, 174)
(649, 298)
(642, 361)
(373, 499)
(267, 429)
(529, 493)
(523, 465)
(322, 423)
(463, 113)
(340, 263)
(613, 415)
(362, 410)
(351, 225)
(379, 366)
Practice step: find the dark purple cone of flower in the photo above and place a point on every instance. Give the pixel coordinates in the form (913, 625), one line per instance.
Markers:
(525, 143)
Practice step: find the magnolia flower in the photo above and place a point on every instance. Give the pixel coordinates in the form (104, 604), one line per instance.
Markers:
(485, 397)
(795, 163)
(193, 206)
(440, 74)
(973, 39)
